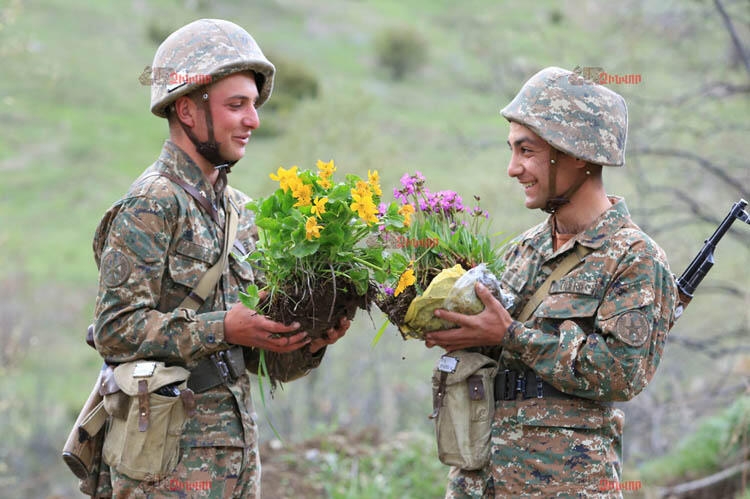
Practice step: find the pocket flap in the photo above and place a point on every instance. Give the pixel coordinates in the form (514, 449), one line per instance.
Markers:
(567, 305)
(156, 375)
(196, 251)
(461, 364)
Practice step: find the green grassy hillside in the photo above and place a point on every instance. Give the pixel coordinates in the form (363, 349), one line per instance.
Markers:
(75, 130)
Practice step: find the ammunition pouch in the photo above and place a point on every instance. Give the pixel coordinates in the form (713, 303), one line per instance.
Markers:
(220, 368)
(464, 406)
(511, 385)
(148, 414)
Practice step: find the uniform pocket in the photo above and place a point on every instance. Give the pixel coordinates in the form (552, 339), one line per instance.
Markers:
(567, 306)
(190, 261)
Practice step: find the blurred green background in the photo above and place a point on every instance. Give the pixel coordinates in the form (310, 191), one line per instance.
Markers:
(394, 86)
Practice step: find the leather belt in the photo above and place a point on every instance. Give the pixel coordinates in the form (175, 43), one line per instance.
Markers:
(511, 385)
(220, 368)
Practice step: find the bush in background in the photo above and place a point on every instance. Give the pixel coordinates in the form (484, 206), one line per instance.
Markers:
(400, 51)
(293, 83)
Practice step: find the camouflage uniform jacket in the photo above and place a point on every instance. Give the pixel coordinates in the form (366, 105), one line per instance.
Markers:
(152, 248)
(598, 335)
(600, 332)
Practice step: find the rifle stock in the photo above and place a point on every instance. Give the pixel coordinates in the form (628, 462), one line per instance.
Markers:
(702, 263)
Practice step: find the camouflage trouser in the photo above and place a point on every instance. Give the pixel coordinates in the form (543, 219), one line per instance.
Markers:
(580, 459)
(217, 472)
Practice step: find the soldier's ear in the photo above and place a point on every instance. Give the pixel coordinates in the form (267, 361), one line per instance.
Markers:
(185, 110)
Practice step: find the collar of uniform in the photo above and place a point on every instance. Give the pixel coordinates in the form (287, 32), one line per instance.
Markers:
(607, 224)
(540, 237)
(177, 162)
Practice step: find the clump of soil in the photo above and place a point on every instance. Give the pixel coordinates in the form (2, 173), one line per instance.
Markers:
(318, 307)
(395, 307)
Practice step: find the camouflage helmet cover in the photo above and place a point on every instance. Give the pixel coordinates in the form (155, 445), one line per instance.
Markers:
(574, 115)
(203, 52)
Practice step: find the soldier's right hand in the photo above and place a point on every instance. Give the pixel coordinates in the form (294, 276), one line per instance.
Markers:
(249, 328)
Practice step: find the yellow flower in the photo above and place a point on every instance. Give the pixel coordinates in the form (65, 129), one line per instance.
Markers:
(364, 206)
(324, 183)
(326, 169)
(302, 193)
(407, 279)
(373, 178)
(285, 178)
(319, 206)
(362, 189)
(406, 211)
(312, 229)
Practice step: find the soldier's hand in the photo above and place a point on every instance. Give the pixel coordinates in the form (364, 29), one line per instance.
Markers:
(484, 329)
(249, 328)
(332, 335)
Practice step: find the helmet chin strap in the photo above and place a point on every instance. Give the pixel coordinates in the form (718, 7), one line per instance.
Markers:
(209, 149)
(554, 203)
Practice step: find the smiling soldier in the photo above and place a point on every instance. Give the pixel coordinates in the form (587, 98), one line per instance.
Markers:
(593, 302)
(180, 225)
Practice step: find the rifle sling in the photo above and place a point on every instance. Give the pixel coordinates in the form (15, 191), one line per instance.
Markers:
(565, 266)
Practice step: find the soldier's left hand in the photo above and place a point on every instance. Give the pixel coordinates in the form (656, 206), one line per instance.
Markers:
(483, 329)
(332, 335)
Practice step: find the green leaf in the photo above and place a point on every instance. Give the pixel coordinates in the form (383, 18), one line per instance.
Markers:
(268, 224)
(381, 276)
(250, 298)
(305, 248)
(361, 280)
(340, 192)
(380, 332)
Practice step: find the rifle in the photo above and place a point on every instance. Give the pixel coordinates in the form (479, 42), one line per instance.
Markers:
(702, 263)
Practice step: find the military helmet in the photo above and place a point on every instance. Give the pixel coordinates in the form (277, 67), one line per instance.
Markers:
(574, 115)
(201, 53)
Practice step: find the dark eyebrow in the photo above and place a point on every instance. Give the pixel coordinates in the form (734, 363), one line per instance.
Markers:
(238, 96)
(521, 140)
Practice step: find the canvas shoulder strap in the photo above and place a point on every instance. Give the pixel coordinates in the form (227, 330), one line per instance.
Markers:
(208, 282)
(565, 266)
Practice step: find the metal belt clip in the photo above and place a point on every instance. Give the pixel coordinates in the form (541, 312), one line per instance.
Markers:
(219, 360)
(520, 386)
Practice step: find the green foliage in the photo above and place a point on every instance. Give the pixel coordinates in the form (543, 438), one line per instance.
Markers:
(400, 51)
(312, 227)
(719, 442)
(401, 469)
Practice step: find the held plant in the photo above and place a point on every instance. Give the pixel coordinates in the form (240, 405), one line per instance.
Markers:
(310, 253)
(457, 235)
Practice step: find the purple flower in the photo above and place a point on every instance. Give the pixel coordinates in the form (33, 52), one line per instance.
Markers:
(408, 182)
